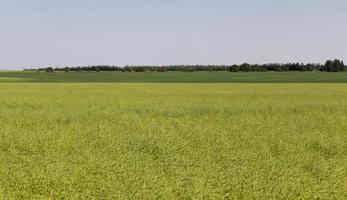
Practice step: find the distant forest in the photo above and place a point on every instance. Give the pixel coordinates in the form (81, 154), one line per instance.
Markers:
(330, 66)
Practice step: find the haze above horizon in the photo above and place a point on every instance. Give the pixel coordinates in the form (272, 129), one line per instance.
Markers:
(41, 33)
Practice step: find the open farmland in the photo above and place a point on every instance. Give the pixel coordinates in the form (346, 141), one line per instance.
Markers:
(172, 141)
(175, 77)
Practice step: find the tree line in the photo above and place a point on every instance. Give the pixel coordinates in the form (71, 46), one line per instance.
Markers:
(329, 66)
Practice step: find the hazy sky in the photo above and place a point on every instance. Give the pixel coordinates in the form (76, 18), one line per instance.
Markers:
(84, 32)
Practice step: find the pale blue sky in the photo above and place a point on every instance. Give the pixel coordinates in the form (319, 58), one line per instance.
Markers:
(155, 32)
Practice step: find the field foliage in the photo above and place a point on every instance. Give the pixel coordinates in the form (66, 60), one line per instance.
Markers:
(175, 77)
(173, 141)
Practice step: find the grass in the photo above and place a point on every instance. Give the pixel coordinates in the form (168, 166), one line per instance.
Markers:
(172, 141)
(176, 77)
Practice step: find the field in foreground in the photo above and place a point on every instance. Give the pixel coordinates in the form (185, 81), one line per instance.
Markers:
(175, 77)
(173, 141)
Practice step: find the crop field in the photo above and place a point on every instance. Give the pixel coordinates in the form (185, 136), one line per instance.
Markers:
(183, 136)
(175, 77)
(173, 141)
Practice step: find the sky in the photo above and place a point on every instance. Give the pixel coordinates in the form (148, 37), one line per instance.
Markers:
(41, 33)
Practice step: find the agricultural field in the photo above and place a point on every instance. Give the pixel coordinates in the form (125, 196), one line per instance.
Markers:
(89, 138)
(175, 77)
